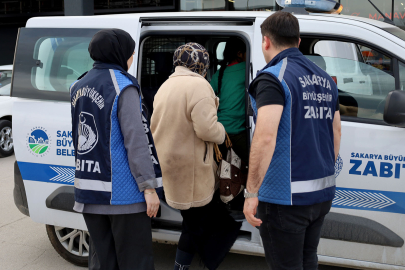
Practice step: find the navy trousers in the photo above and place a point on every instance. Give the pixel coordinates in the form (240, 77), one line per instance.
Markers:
(120, 242)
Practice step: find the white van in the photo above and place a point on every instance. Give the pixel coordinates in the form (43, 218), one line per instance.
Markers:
(365, 57)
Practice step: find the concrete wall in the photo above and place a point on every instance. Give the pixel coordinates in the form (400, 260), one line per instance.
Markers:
(8, 37)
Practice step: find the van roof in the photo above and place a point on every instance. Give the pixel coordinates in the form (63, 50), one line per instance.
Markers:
(43, 22)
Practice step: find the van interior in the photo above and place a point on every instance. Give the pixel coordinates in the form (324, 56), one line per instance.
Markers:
(156, 60)
(156, 65)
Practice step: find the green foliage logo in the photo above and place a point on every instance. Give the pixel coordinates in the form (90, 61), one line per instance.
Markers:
(38, 142)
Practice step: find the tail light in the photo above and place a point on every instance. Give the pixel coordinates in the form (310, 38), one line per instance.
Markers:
(334, 78)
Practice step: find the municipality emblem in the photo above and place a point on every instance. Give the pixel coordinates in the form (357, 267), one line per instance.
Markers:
(88, 135)
(38, 141)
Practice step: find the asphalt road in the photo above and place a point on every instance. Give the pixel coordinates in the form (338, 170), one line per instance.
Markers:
(25, 245)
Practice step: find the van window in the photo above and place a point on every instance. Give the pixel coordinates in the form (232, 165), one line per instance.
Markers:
(48, 61)
(220, 50)
(220, 53)
(363, 75)
(60, 62)
(5, 82)
(376, 59)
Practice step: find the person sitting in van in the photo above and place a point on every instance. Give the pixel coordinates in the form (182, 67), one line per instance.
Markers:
(185, 127)
(117, 169)
(229, 85)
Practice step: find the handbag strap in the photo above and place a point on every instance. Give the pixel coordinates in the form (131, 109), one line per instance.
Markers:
(228, 142)
(228, 145)
(218, 154)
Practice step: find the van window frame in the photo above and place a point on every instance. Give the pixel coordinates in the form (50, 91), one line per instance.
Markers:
(249, 64)
(395, 68)
(27, 50)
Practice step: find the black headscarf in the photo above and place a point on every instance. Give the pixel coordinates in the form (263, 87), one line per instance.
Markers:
(113, 46)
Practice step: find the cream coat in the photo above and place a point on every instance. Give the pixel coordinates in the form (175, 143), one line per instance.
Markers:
(185, 127)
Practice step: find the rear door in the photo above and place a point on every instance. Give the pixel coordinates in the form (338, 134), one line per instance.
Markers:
(47, 62)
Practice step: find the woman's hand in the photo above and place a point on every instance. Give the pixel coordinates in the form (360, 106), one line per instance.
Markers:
(152, 202)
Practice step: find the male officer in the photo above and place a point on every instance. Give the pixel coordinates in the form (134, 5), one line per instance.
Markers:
(291, 181)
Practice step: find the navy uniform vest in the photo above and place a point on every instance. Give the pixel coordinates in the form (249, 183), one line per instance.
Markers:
(102, 173)
(302, 170)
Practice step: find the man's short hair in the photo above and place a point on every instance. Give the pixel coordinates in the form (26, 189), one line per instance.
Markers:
(282, 28)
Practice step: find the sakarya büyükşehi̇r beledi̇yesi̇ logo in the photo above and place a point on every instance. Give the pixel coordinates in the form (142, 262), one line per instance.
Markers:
(38, 141)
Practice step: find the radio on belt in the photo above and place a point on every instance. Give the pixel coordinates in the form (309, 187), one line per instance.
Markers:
(312, 5)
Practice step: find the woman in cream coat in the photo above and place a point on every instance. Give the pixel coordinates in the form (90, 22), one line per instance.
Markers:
(185, 127)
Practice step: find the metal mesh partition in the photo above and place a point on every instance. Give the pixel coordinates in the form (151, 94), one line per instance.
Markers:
(155, 47)
(157, 64)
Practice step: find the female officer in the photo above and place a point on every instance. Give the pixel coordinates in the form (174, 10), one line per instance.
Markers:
(116, 174)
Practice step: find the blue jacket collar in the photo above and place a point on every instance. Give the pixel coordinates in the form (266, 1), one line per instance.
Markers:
(101, 65)
(291, 52)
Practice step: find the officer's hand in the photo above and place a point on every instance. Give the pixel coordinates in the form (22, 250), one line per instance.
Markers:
(152, 202)
(249, 209)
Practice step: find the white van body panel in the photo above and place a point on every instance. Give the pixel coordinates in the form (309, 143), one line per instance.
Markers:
(38, 191)
(6, 104)
(381, 199)
(366, 138)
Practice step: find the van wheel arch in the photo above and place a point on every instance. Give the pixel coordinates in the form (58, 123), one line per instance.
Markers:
(7, 117)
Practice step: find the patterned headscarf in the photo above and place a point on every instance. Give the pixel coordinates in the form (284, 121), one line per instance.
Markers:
(192, 56)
